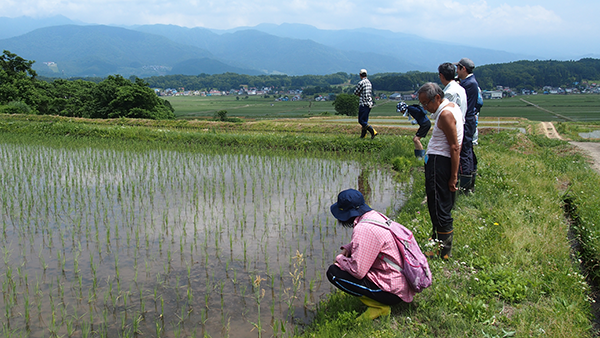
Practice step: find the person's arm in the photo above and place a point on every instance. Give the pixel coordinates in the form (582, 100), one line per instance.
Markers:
(471, 91)
(447, 123)
(346, 249)
(365, 249)
(358, 89)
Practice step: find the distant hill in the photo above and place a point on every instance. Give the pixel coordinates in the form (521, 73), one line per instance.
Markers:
(292, 49)
(280, 55)
(297, 49)
(73, 51)
(413, 51)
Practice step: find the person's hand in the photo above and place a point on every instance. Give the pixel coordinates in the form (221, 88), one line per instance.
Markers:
(345, 253)
(453, 185)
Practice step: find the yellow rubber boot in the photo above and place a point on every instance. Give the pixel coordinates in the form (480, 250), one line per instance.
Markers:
(372, 131)
(374, 310)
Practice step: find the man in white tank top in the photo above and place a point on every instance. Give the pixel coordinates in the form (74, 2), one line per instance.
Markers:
(441, 167)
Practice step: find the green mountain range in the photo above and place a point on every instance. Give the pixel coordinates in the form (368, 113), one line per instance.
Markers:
(273, 54)
(77, 51)
(95, 50)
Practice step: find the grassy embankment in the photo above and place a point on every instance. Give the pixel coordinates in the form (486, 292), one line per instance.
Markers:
(514, 272)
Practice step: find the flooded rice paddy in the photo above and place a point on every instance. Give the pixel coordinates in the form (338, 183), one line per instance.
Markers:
(110, 243)
(593, 134)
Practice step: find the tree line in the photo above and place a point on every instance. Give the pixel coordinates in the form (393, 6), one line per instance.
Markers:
(227, 81)
(518, 75)
(537, 74)
(21, 92)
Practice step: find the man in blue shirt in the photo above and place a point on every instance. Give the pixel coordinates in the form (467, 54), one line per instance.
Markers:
(468, 160)
(420, 115)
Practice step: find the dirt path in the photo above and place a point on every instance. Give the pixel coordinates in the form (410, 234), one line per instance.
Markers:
(592, 149)
(549, 130)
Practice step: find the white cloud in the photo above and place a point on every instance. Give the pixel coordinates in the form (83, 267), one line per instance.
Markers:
(434, 18)
(341, 13)
(454, 20)
(516, 20)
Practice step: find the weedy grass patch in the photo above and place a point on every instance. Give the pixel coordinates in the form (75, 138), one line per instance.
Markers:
(582, 201)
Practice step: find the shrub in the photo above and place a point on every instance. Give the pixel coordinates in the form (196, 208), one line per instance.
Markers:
(221, 115)
(16, 107)
(346, 104)
(401, 164)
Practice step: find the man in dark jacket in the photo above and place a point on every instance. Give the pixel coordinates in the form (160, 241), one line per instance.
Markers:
(468, 160)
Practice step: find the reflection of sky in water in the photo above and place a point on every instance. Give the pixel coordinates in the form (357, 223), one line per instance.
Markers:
(206, 219)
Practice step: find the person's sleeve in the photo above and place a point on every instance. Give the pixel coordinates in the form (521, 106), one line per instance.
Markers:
(450, 96)
(358, 89)
(348, 247)
(364, 251)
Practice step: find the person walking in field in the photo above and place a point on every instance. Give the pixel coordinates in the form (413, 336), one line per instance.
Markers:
(441, 168)
(370, 265)
(364, 90)
(420, 115)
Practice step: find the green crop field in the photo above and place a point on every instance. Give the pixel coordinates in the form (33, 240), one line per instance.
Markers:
(254, 107)
(546, 107)
(533, 107)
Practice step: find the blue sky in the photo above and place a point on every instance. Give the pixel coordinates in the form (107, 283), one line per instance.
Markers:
(557, 26)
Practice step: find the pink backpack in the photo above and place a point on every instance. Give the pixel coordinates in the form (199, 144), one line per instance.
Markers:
(416, 269)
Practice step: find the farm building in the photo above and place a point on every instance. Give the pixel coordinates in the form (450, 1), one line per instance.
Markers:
(491, 94)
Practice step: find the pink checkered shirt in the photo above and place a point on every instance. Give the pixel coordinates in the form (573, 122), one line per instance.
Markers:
(368, 243)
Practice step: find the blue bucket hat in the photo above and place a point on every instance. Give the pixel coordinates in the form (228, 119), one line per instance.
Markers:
(350, 203)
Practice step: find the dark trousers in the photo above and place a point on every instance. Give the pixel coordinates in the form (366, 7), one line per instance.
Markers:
(363, 116)
(468, 161)
(359, 287)
(440, 200)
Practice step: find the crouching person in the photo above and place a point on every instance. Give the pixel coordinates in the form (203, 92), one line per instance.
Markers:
(369, 266)
(420, 116)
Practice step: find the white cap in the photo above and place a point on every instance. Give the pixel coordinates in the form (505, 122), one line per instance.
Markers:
(363, 71)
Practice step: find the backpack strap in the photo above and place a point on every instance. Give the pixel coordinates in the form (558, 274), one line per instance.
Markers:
(389, 261)
(386, 225)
